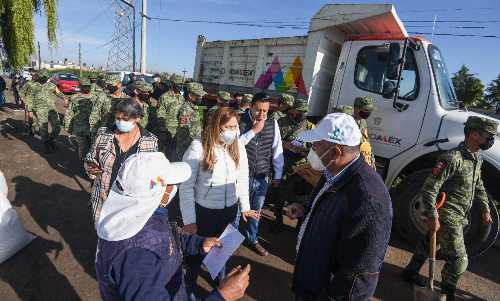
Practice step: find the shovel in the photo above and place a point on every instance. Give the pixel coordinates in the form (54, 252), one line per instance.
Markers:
(429, 293)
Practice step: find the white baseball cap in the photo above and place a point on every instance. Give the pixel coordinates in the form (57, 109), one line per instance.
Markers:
(338, 128)
(137, 193)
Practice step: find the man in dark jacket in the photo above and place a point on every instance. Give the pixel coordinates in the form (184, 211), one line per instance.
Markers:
(347, 225)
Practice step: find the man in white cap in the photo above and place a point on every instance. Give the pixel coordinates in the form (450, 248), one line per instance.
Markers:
(347, 225)
(138, 256)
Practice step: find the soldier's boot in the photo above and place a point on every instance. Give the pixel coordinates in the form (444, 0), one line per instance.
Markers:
(48, 149)
(449, 290)
(52, 144)
(411, 271)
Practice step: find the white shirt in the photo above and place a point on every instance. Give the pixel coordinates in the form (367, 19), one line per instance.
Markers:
(278, 159)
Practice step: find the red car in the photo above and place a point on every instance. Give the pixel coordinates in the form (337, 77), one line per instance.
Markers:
(66, 82)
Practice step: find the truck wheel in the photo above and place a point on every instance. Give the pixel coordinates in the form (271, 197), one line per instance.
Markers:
(409, 222)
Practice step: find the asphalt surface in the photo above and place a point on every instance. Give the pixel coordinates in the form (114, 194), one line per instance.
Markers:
(51, 195)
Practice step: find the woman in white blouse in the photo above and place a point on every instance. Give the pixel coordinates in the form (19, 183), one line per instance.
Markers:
(219, 181)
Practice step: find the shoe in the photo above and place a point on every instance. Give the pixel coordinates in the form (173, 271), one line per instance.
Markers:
(449, 290)
(52, 145)
(257, 248)
(414, 277)
(48, 149)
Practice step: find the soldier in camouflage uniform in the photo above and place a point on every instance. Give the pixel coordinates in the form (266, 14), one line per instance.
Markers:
(295, 154)
(363, 107)
(28, 93)
(189, 119)
(458, 174)
(244, 104)
(223, 100)
(76, 120)
(286, 102)
(102, 115)
(142, 94)
(44, 109)
(168, 112)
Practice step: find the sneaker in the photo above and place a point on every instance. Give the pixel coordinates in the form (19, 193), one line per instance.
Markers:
(414, 277)
(257, 248)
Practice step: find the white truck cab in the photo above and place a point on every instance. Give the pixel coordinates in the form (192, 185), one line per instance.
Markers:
(364, 50)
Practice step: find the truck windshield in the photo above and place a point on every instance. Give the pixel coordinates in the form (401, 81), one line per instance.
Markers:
(444, 85)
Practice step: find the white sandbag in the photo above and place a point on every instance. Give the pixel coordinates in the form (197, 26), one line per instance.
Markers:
(13, 236)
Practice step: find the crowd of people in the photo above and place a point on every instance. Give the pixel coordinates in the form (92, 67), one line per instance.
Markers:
(172, 169)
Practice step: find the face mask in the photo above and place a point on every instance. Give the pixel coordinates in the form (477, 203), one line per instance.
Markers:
(143, 96)
(86, 90)
(228, 136)
(364, 115)
(315, 160)
(299, 118)
(488, 144)
(112, 89)
(124, 126)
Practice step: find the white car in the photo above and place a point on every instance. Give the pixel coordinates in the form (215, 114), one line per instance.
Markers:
(26, 75)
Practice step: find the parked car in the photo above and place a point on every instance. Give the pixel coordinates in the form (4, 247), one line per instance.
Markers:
(26, 75)
(66, 82)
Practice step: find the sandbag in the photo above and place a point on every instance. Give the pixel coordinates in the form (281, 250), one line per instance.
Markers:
(13, 236)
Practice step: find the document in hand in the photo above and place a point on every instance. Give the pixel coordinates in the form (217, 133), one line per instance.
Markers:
(230, 240)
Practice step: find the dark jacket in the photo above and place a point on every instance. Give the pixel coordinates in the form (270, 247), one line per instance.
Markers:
(343, 246)
(147, 266)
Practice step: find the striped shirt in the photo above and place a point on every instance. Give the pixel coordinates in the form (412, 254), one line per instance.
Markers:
(103, 154)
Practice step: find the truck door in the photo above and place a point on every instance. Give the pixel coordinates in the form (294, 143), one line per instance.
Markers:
(391, 132)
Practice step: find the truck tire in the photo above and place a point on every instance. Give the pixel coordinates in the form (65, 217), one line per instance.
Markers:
(408, 222)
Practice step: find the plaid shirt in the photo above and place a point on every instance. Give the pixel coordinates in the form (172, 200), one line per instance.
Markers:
(103, 154)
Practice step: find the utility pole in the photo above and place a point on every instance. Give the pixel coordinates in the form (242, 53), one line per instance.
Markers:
(143, 36)
(80, 58)
(184, 74)
(39, 57)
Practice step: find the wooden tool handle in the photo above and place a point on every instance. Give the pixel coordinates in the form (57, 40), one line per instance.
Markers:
(432, 245)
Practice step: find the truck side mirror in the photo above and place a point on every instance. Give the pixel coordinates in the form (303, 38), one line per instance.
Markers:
(389, 89)
(393, 61)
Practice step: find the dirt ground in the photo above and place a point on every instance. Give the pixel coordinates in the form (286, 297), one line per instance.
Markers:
(51, 195)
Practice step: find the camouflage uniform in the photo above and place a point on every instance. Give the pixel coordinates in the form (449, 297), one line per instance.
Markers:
(365, 104)
(290, 130)
(76, 120)
(102, 115)
(44, 108)
(247, 99)
(28, 93)
(458, 174)
(148, 121)
(287, 99)
(189, 121)
(170, 104)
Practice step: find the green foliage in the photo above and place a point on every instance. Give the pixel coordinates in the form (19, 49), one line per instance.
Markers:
(469, 89)
(493, 91)
(17, 28)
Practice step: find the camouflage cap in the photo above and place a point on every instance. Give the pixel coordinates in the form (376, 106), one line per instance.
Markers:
(195, 88)
(164, 77)
(43, 73)
(365, 103)
(143, 86)
(247, 98)
(344, 109)
(301, 105)
(288, 99)
(225, 96)
(481, 123)
(176, 79)
(112, 79)
(85, 82)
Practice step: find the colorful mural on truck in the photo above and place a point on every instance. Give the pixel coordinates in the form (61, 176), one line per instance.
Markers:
(292, 79)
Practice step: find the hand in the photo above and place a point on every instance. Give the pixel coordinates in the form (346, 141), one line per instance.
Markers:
(275, 183)
(433, 224)
(294, 211)
(234, 285)
(250, 214)
(209, 243)
(258, 126)
(93, 169)
(189, 229)
(487, 218)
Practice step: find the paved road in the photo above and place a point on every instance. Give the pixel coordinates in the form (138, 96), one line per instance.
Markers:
(50, 195)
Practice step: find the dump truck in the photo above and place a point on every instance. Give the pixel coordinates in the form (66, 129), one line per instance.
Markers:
(355, 50)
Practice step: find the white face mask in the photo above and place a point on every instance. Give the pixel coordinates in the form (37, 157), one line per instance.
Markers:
(315, 160)
(228, 136)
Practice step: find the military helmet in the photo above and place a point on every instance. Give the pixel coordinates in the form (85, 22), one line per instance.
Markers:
(480, 123)
(247, 98)
(44, 73)
(143, 86)
(225, 96)
(287, 99)
(301, 105)
(85, 82)
(344, 109)
(195, 88)
(176, 79)
(365, 103)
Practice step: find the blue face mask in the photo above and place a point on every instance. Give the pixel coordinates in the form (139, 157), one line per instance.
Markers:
(124, 126)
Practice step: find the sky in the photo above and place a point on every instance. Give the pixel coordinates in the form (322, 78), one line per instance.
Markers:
(171, 46)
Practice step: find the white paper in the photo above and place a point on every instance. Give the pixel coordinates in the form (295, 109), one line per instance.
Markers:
(216, 258)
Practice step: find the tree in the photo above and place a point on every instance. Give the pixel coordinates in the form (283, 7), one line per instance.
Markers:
(17, 27)
(469, 89)
(493, 91)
